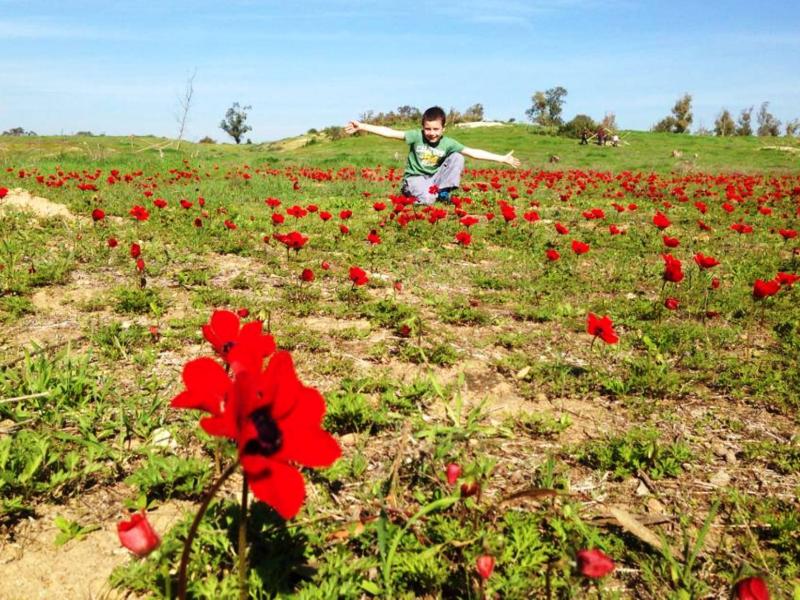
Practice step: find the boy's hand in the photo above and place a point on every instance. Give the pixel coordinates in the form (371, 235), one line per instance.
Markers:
(352, 127)
(512, 160)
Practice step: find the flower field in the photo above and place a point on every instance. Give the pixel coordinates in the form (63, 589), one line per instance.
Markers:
(569, 382)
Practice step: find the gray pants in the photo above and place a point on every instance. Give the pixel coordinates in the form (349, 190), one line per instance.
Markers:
(448, 176)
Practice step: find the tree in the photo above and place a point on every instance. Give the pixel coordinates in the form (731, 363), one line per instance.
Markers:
(792, 128)
(743, 126)
(473, 113)
(610, 122)
(18, 131)
(234, 122)
(184, 104)
(768, 125)
(724, 125)
(681, 117)
(577, 125)
(453, 116)
(547, 106)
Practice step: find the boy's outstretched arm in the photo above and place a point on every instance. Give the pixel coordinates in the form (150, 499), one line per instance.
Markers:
(387, 132)
(508, 159)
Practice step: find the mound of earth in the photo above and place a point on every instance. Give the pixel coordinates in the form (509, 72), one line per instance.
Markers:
(41, 207)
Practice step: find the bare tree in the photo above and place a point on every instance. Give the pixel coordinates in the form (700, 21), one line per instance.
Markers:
(792, 127)
(184, 105)
(610, 121)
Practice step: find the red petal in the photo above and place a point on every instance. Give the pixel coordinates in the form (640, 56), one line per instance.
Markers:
(280, 486)
(309, 447)
(221, 426)
(206, 386)
(222, 328)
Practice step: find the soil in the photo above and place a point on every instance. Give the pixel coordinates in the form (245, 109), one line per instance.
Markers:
(41, 207)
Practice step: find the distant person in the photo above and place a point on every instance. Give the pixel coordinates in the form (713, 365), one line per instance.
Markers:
(585, 137)
(601, 136)
(435, 162)
(615, 140)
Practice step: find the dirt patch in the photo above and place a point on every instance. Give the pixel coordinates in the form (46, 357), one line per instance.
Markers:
(41, 207)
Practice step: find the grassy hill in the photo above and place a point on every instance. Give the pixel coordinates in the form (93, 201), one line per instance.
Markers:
(640, 151)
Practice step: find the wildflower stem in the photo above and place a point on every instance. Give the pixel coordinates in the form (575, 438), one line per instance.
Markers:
(187, 545)
(243, 542)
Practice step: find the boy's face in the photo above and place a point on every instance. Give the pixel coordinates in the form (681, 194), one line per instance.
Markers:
(432, 131)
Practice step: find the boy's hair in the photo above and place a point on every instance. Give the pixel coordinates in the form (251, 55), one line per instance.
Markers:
(434, 113)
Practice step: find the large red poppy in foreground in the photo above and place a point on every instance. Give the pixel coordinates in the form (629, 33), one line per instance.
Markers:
(274, 419)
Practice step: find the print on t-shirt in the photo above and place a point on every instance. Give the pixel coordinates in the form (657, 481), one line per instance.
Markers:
(427, 156)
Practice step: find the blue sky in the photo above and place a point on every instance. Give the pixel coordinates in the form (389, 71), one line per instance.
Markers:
(118, 67)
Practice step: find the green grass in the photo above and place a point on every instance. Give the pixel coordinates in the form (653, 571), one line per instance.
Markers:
(479, 357)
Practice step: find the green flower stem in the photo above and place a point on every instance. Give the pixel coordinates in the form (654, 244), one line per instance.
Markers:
(243, 542)
(187, 545)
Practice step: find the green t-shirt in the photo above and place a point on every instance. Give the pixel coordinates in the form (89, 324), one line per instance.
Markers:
(424, 159)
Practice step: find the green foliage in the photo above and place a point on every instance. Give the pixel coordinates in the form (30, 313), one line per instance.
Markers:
(138, 301)
(234, 123)
(162, 477)
(575, 127)
(638, 449)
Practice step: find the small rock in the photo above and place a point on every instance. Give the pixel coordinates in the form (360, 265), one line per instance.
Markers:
(730, 457)
(720, 479)
(163, 438)
(642, 490)
(347, 439)
(654, 506)
(523, 372)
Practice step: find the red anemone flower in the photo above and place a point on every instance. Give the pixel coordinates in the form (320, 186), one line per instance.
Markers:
(787, 279)
(661, 221)
(136, 250)
(762, 289)
(579, 247)
(307, 275)
(786, 234)
(671, 242)
(552, 254)
(224, 333)
(561, 229)
(138, 535)
(112, 242)
(98, 214)
(752, 588)
(485, 566)
(274, 419)
(453, 472)
(358, 276)
(594, 563)
(705, 262)
(139, 213)
(601, 327)
(671, 303)
(463, 238)
(672, 269)
(3, 192)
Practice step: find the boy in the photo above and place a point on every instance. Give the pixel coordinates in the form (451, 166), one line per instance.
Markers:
(435, 162)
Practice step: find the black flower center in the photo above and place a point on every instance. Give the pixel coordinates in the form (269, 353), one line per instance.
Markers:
(269, 438)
